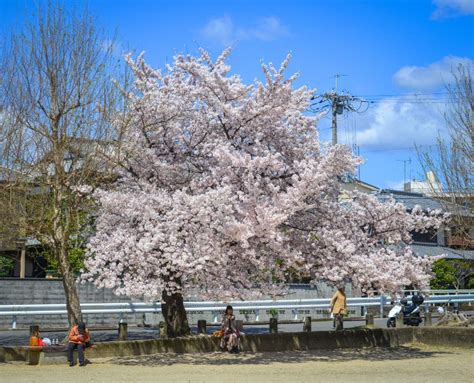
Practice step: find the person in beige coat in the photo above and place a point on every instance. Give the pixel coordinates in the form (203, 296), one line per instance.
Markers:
(339, 307)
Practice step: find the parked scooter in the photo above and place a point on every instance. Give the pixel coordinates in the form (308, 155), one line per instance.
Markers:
(411, 312)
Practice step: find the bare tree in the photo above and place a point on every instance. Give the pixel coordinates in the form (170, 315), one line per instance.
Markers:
(57, 99)
(452, 158)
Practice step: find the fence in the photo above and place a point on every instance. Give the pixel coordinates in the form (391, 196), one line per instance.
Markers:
(216, 308)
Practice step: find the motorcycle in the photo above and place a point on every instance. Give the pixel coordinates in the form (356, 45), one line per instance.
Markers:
(411, 312)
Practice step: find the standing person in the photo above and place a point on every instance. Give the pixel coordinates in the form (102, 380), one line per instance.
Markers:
(231, 338)
(78, 338)
(339, 307)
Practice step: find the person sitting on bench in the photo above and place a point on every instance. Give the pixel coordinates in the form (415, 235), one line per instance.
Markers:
(231, 335)
(78, 338)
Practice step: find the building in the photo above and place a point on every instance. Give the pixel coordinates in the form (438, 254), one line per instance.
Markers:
(445, 241)
(429, 187)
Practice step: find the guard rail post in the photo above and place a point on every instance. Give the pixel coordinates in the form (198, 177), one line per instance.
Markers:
(382, 304)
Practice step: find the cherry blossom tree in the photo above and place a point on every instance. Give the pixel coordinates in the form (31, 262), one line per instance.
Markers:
(225, 186)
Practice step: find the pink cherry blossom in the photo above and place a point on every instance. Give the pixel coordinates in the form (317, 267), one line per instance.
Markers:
(226, 187)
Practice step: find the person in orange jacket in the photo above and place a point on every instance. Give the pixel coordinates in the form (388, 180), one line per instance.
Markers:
(339, 307)
(78, 338)
(36, 340)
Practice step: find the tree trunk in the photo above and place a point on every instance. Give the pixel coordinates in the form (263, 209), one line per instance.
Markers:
(74, 313)
(172, 308)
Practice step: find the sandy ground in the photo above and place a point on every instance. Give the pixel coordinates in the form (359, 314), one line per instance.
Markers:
(414, 363)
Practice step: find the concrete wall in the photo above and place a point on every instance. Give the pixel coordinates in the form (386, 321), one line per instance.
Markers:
(459, 337)
(44, 291)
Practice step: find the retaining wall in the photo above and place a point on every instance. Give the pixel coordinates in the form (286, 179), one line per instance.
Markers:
(361, 338)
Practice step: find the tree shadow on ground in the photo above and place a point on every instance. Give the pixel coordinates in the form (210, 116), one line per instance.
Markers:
(339, 355)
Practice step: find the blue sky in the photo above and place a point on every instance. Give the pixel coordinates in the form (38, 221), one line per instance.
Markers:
(389, 51)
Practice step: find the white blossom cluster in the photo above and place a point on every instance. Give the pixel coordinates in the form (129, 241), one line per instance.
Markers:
(225, 187)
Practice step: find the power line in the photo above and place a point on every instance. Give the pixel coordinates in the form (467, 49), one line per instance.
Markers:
(385, 150)
(406, 94)
(338, 103)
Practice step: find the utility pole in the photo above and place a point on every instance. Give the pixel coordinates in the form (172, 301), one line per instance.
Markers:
(338, 103)
(334, 103)
(334, 121)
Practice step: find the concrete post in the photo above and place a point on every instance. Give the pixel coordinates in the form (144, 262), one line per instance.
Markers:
(122, 331)
(369, 319)
(428, 321)
(163, 330)
(202, 326)
(399, 321)
(273, 325)
(23, 262)
(307, 324)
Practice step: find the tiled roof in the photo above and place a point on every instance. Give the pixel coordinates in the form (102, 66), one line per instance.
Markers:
(410, 200)
(449, 253)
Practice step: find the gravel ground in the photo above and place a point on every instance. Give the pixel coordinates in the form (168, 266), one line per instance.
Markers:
(414, 363)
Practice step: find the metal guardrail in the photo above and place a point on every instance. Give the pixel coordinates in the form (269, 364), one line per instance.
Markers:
(216, 308)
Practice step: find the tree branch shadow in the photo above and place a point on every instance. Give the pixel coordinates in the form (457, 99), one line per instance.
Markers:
(263, 358)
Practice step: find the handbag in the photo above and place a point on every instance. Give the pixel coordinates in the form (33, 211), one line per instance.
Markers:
(218, 333)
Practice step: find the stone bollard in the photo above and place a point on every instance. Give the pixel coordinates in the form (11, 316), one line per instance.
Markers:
(307, 324)
(163, 330)
(202, 327)
(273, 325)
(122, 331)
(369, 319)
(428, 321)
(399, 321)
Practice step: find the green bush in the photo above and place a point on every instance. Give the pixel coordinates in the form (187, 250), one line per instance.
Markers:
(76, 257)
(453, 274)
(6, 266)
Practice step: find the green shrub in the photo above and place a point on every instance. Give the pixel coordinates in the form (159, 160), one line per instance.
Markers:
(6, 266)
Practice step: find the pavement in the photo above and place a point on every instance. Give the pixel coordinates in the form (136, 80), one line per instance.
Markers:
(21, 337)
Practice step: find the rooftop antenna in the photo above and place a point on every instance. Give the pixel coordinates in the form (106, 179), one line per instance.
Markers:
(405, 162)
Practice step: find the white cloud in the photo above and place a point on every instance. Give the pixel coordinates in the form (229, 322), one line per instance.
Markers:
(400, 122)
(432, 76)
(452, 8)
(223, 30)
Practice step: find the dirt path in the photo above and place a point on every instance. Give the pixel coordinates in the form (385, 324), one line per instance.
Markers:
(416, 363)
